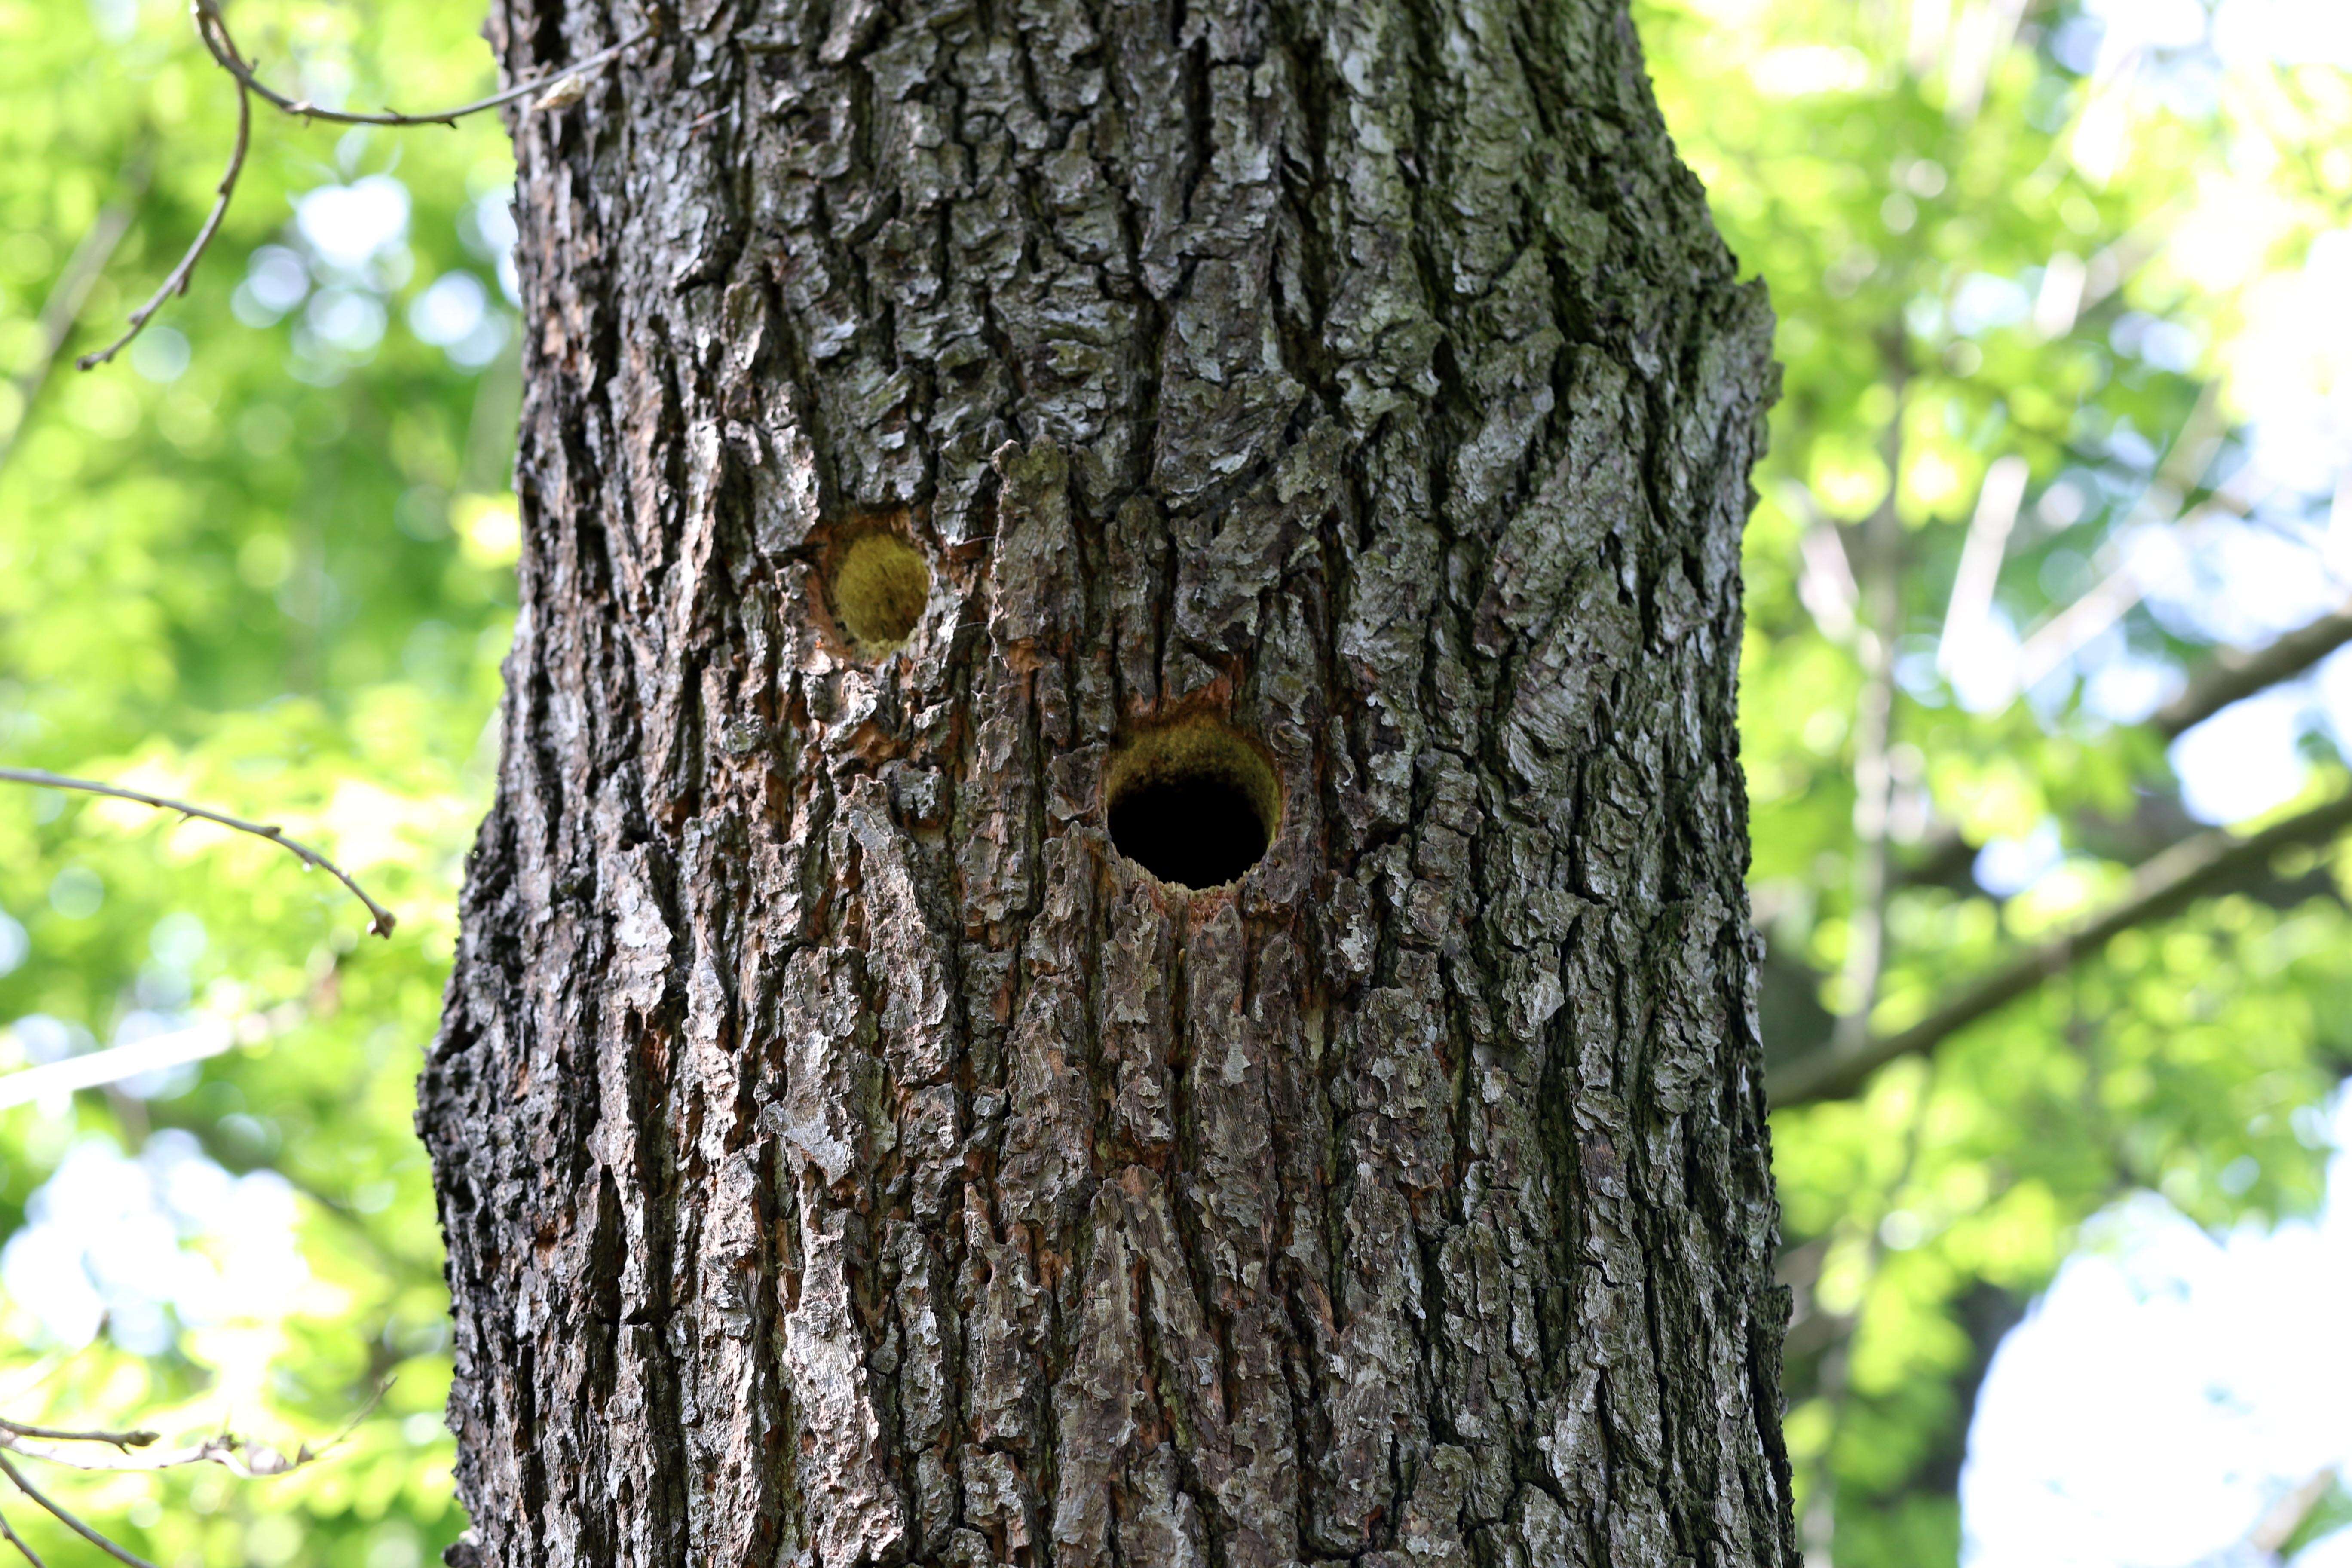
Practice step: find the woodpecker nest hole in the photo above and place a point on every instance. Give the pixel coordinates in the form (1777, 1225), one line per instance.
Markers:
(1195, 803)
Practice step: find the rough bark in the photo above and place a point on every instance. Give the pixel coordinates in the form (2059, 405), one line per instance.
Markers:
(847, 1155)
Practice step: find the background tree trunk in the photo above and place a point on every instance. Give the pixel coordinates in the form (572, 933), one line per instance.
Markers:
(847, 1155)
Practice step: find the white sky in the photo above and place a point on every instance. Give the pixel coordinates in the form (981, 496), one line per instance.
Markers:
(2167, 1391)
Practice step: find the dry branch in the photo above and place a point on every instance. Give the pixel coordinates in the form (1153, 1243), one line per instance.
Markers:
(126, 1441)
(382, 920)
(65, 1516)
(238, 1456)
(212, 27)
(176, 281)
(8, 1533)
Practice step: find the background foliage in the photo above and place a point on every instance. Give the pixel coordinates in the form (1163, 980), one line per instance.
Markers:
(264, 565)
(2020, 255)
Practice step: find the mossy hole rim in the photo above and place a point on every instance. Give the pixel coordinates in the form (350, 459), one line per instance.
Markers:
(1196, 803)
(876, 588)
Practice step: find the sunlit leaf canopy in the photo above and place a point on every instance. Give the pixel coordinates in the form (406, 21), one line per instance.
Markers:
(2028, 275)
(2062, 289)
(262, 561)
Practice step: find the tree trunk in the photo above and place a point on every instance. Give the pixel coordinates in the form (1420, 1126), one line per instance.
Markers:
(973, 450)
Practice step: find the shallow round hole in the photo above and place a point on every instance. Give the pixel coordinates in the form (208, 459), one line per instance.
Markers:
(1193, 803)
(877, 591)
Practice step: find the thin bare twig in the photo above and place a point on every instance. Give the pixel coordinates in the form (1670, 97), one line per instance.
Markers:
(65, 1516)
(176, 282)
(2160, 889)
(227, 1450)
(241, 1458)
(8, 1533)
(382, 920)
(212, 28)
(123, 1441)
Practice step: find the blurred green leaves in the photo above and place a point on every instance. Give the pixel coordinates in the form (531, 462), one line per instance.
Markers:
(1995, 234)
(259, 562)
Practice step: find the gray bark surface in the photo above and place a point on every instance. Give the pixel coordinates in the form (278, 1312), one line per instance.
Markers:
(846, 1156)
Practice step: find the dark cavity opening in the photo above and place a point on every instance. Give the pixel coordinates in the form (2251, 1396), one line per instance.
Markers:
(1195, 805)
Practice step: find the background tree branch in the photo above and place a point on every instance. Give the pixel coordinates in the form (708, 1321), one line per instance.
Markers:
(2163, 887)
(1880, 619)
(62, 311)
(2233, 677)
(2230, 678)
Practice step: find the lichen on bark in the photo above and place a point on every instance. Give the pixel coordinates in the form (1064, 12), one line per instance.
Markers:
(846, 1156)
